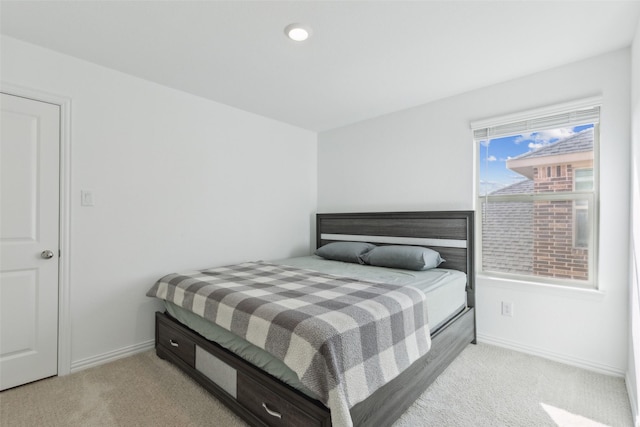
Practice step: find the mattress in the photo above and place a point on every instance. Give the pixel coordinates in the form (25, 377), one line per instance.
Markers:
(445, 290)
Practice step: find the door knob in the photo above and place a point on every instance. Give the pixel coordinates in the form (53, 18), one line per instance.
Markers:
(46, 254)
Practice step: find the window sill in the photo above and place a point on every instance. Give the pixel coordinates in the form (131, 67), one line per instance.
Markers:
(483, 279)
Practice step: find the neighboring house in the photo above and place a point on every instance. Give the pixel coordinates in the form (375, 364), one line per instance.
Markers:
(507, 232)
(543, 238)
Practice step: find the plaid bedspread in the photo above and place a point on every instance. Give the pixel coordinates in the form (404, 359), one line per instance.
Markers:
(344, 338)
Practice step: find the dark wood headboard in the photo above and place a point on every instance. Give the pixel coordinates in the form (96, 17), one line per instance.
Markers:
(449, 232)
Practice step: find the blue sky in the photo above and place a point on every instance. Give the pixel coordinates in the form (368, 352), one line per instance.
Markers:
(495, 153)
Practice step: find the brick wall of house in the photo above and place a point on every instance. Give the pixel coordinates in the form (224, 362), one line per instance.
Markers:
(554, 251)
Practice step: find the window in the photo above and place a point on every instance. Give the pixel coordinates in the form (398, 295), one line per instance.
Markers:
(583, 181)
(537, 194)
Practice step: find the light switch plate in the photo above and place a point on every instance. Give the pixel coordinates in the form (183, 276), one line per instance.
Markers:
(86, 198)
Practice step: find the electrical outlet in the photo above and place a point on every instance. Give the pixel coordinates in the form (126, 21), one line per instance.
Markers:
(507, 309)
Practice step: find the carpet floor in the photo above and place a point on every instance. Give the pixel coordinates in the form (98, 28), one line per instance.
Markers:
(484, 386)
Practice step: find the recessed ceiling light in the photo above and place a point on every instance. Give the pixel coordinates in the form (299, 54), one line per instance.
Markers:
(297, 32)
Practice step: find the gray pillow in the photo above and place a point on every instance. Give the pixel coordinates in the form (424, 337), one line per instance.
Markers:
(405, 257)
(345, 251)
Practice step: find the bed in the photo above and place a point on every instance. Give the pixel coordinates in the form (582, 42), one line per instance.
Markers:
(268, 392)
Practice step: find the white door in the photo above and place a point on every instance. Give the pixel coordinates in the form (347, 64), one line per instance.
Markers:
(29, 211)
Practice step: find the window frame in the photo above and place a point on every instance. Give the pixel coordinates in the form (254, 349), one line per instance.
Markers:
(592, 196)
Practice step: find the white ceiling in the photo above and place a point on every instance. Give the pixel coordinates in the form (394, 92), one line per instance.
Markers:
(364, 59)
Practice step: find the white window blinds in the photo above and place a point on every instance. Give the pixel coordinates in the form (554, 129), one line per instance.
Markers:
(566, 115)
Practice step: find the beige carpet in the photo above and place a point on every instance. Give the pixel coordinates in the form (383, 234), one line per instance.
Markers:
(485, 386)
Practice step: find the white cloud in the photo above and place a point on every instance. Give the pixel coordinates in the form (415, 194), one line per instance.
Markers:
(491, 159)
(554, 134)
(539, 139)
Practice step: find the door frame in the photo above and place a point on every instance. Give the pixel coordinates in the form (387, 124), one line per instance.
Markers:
(64, 228)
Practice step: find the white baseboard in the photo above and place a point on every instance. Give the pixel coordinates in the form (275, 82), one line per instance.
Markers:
(111, 356)
(562, 358)
(633, 400)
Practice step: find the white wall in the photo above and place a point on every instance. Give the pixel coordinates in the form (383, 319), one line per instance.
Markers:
(633, 384)
(423, 158)
(180, 182)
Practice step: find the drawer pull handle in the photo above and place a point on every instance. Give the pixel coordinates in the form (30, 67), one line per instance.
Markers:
(174, 343)
(270, 412)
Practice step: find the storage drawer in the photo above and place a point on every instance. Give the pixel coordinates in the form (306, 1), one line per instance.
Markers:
(272, 408)
(177, 343)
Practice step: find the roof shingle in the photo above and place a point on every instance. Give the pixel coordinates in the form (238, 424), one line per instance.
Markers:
(576, 143)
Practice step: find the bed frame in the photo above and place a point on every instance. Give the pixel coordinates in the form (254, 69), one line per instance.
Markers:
(262, 400)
